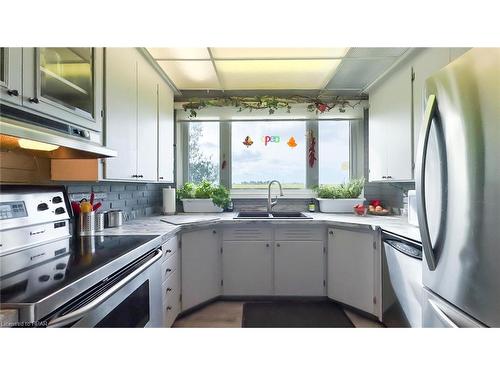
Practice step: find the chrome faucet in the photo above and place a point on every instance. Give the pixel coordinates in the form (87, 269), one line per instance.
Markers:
(271, 203)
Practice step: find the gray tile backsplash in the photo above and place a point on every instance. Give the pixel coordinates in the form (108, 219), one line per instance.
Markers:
(135, 199)
(390, 193)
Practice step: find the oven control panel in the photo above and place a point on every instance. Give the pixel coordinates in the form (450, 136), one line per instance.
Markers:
(9, 210)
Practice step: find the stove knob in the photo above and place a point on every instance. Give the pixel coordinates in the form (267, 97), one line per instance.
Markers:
(60, 266)
(56, 200)
(44, 278)
(60, 210)
(43, 207)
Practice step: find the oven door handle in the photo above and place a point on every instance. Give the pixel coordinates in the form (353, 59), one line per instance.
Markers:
(78, 314)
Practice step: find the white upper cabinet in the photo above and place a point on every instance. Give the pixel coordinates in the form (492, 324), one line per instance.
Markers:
(64, 84)
(139, 119)
(11, 75)
(165, 133)
(393, 129)
(147, 121)
(390, 144)
(121, 112)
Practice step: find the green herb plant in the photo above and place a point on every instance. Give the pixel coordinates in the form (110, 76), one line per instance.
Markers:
(205, 190)
(348, 190)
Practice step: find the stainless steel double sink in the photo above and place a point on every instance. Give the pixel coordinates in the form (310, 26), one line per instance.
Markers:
(274, 215)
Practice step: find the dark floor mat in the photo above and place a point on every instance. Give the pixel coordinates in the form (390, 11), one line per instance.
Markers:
(288, 314)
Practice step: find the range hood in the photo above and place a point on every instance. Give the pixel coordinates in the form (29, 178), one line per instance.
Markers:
(12, 131)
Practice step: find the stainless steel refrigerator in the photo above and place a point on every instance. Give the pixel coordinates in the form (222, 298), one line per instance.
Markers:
(458, 193)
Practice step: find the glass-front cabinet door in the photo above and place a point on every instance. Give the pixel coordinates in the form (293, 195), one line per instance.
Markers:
(66, 78)
(66, 83)
(11, 75)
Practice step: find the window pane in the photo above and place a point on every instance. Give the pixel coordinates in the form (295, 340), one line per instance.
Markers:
(203, 152)
(333, 147)
(268, 150)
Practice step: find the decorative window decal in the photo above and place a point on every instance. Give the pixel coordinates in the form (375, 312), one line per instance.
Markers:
(270, 139)
(248, 141)
(291, 142)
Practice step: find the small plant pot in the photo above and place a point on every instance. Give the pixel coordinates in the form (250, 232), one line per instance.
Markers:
(200, 205)
(338, 206)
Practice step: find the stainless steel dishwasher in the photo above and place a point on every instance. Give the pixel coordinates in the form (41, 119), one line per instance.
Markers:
(402, 289)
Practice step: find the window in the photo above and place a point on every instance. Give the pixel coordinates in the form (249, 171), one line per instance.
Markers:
(262, 151)
(203, 151)
(333, 148)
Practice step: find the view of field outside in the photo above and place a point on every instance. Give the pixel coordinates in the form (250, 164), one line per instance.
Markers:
(333, 147)
(274, 150)
(203, 152)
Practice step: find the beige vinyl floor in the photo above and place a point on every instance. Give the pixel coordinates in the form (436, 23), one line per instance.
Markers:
(229, 314)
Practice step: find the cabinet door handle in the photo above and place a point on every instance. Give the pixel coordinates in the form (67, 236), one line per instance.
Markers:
(169, 307)
(168, 270)
(140, 176)
(13, 92)
(168, 251)
(161, 178)
(214, 232)
(34, 100)
(389, 177)
(330, 232)
(278, 245)
(169, 289)
(267, 245)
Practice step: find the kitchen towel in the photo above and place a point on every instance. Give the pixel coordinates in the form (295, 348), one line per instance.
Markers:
(168, 201)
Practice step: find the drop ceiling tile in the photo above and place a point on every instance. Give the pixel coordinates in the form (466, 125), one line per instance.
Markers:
(179, 53)
(376, 52)
(357, 74)
(274, 53)
(276, 74)
(191, 74)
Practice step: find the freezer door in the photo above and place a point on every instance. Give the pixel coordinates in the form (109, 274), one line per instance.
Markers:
(437, 313)
(458, 185)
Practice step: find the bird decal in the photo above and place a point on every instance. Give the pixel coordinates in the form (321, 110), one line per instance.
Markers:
(248, 141)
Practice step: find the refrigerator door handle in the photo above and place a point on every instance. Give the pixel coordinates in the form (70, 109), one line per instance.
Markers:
(442, 316)
(430, 112)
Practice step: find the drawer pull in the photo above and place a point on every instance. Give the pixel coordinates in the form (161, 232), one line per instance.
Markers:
(278, 245)
(169, 289)
(13, 92)
(168, 270)
(168, 251)
(169, 308)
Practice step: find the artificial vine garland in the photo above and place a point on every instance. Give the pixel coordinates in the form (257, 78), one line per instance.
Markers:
(271, 103)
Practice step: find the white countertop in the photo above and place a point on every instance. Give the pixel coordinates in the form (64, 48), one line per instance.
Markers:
(153, 224)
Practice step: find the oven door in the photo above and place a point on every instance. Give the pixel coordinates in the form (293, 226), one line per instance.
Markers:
(131, 298)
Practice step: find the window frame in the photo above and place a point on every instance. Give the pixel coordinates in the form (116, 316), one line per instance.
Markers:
(357, 144)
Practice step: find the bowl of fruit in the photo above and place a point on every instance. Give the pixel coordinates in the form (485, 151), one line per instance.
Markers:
(360, 209)
(376, 208)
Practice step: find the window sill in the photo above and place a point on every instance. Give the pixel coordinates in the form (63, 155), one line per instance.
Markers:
(262, 193)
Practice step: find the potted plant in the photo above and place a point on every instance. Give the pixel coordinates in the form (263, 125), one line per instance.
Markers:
(203, 197)
(340, 198)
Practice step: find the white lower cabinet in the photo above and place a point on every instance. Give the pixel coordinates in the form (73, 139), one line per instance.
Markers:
(247, 268)
(299, 268)
(201, 267)
(352, 261)
(171, 281)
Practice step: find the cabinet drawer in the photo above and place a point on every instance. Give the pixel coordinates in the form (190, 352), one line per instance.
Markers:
(169, 266)
(247, 233)
(169, 248)
(300, 233)
(171, 299)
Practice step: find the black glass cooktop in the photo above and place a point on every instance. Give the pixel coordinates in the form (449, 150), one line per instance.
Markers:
(64, 262)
